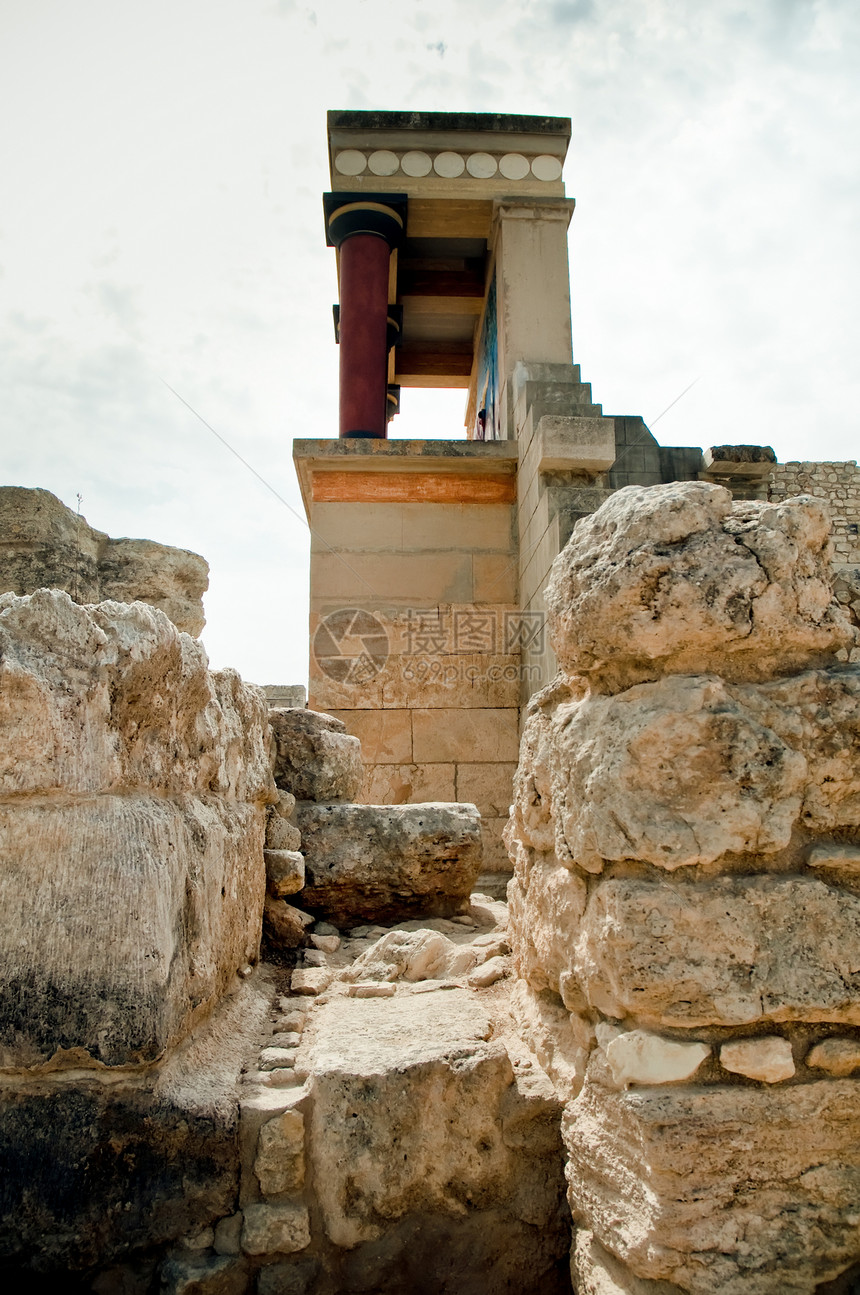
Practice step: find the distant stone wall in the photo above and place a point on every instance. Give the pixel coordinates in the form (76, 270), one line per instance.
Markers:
(839, 484)
(44, 545)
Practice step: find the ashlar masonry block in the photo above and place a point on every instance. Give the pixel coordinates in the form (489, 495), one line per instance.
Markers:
(464, 735)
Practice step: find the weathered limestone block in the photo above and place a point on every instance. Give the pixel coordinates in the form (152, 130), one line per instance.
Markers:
(688, 768)
(123, 917)
(560, 1039)
(484, 1148)
(162, 1145)
(675, 577)
(44, 544)
(596, 1272)
(112, 697)
(654, 773)
(546, 907)
(285, 872)
(740, 1190)
(532, 820)
(173, 580)
(133, 812)
(381, 863)
(728, 953)
(818, 714)
(702, 720)
(315, 758)
(173, 1165)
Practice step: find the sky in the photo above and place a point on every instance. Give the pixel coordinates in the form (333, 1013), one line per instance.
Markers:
(164, 275)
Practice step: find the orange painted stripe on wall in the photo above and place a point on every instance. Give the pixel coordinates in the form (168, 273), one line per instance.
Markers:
(412, 488)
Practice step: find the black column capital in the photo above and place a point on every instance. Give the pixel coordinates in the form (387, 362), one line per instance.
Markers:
(382, 214)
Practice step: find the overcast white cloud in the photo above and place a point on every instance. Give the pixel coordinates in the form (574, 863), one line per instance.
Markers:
(161, 223)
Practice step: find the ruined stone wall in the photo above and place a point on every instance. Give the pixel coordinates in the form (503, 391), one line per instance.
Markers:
(354, 1114)
(685, 914)
(44, 545)
(839, 484)
(132, 787)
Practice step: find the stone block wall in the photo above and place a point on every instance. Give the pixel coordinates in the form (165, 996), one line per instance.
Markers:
(415, 623)
(684, 915)
(839, 484)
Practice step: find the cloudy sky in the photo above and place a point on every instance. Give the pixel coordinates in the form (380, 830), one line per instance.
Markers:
(161, 227)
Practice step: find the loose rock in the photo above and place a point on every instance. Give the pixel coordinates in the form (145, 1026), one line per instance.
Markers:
(316, 759)
(839, 1057)
(382, 863)
(769, 1059)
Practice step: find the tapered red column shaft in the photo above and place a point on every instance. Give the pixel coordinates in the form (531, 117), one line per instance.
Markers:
(364, 263)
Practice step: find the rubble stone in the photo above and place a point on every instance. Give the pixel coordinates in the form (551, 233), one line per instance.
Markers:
(280, 1161)
(285, 872)
(488, 973)
(839, 1057)
(412, 956)
(275, 1229)
(315, 759)
(638, 1057)
(382, 863)
(769, 1059)
(203, 1275)
(285, 926)
(281, 834)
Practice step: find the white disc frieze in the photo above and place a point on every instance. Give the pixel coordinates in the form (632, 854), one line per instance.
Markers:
(384, 162)
(416, 163)
(481, 165)
(449, 165)
(350, 162)
(514, 166)
(546, 167)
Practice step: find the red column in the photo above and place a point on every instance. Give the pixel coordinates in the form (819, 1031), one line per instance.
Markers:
(364, 228)
(364, 260)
